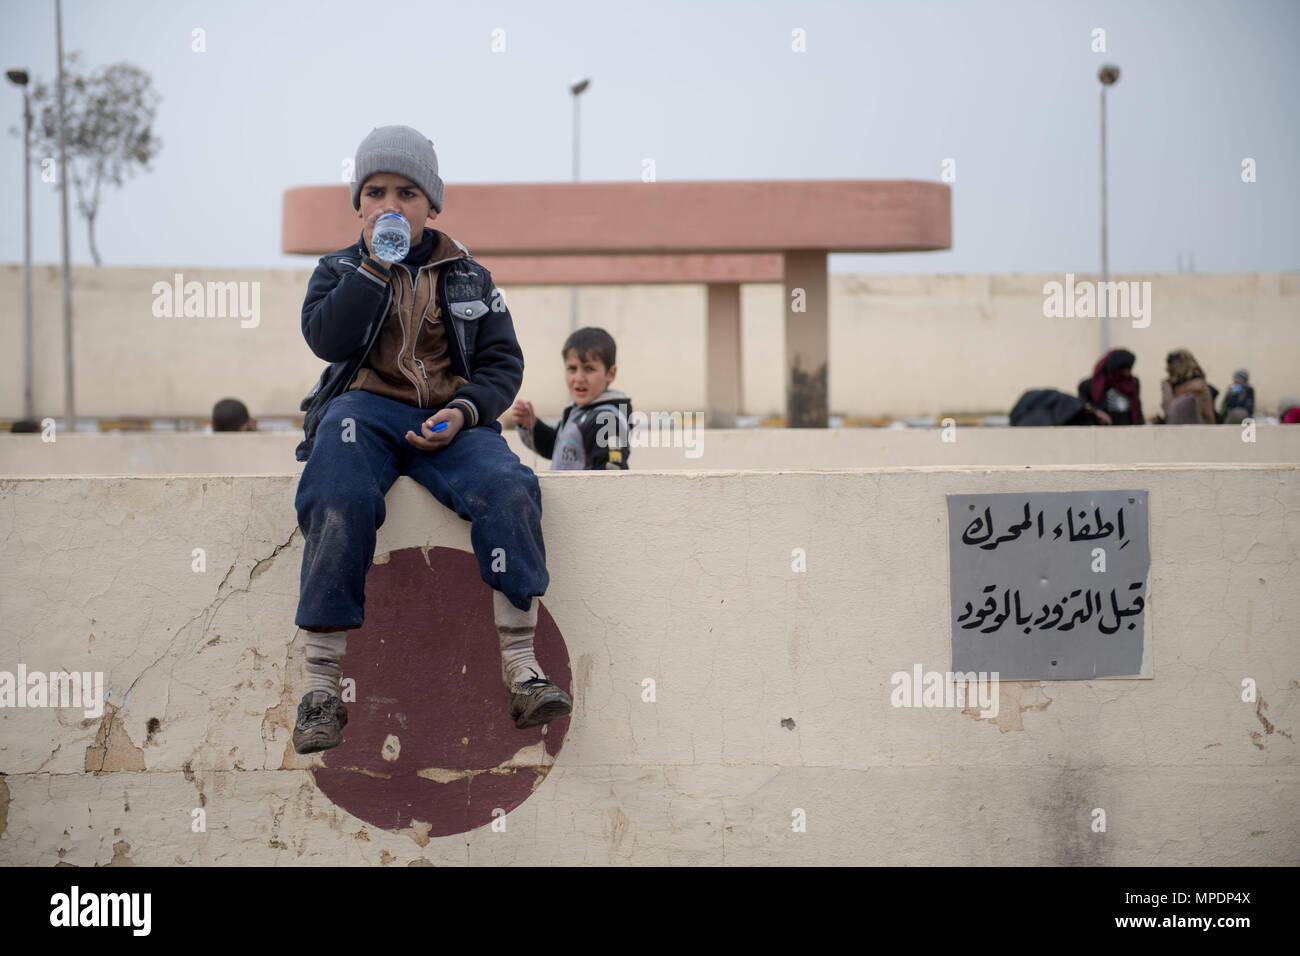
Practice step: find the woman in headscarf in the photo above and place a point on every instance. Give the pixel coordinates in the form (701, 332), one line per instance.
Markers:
(1113, 391)
(1185, 396)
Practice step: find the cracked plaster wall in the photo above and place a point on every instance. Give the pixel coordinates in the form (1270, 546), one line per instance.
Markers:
(772, 687)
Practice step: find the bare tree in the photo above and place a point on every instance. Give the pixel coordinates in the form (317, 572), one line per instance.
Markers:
(110, 115)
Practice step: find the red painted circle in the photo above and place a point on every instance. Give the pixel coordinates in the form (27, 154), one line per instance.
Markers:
(427, 666)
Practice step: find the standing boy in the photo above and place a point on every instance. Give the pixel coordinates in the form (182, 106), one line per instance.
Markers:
(414, 345)
(593, 430)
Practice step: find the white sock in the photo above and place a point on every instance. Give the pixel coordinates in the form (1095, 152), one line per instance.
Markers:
(515, 629)
(325, 661)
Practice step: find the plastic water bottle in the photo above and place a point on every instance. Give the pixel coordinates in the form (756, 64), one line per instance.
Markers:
(391, 237)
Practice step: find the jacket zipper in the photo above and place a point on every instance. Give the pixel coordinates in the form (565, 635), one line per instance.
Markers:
(418, 328)
(442, 289)
(419, 396)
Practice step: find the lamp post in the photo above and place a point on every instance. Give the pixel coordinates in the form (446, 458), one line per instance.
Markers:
(69, 410)
(576, 87)
(19, 78)
(1109, 76)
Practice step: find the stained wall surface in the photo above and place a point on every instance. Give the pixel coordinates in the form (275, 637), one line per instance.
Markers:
(771, 685)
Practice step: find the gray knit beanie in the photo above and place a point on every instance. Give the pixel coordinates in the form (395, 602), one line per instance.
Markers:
(401, 150)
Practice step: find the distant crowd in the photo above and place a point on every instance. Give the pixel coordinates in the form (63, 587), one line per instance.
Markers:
(1112, 396)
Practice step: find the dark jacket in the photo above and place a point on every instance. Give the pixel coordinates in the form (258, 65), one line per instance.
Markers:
(605, 430)
(410, 362)
(348, 302)
(1047, 406)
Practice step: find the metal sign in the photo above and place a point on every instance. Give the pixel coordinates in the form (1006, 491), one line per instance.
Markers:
(1049, 585)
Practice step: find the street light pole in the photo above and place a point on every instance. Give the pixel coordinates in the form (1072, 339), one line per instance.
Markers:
(576, 88)
(577, 91)
(19, 78)
(1109, 76)
(69, 409)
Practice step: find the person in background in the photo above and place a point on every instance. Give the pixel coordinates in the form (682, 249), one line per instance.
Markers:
(1186, 397)
(231, 415)
(1288, 411)
(1113, 394)
(1239, 395)
(1047, 406)
(594, 430)
(413, 346)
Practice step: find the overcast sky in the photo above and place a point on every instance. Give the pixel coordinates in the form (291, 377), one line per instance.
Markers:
(709, 90)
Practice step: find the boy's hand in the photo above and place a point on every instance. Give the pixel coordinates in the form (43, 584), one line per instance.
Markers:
(523, 413)
(429, 440)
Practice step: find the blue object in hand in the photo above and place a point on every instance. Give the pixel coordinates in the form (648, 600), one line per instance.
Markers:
(438, 427)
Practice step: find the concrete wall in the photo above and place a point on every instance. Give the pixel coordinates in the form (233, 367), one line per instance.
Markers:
(773, 687)
(902, 345)
(145, 453)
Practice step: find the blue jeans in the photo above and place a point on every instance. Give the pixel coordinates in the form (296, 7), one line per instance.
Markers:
(340, 503)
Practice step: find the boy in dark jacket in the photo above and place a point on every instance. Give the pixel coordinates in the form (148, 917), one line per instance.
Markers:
(414, 346)
(593, 434)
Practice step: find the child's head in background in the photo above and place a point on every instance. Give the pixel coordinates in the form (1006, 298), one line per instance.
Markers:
(588, 363)
(231, 415)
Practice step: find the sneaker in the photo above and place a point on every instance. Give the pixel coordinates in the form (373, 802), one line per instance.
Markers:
(538, 701)
(321, 717)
